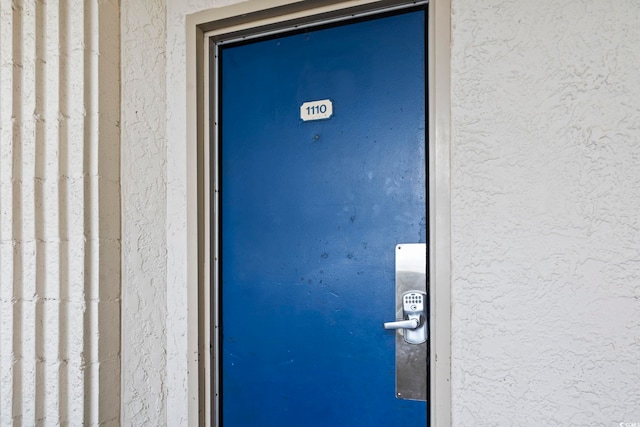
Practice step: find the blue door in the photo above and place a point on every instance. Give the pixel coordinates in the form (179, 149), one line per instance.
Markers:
(322, 172)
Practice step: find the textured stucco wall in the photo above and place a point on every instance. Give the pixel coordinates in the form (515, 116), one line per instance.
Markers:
(144, 223)
(59, 213)
(545, 222)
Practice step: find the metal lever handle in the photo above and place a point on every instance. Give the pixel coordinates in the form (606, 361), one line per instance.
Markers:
(402, 324)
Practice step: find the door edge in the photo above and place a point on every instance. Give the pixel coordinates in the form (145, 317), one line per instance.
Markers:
(439, 76)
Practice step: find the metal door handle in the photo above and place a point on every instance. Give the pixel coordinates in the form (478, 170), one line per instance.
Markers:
(402, 324)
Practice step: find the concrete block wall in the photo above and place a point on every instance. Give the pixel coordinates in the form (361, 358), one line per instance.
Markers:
(59, 213)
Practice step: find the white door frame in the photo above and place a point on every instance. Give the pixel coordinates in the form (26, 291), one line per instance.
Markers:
(270, 14)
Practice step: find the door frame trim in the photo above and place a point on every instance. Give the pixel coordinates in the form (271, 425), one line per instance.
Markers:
(241, 18)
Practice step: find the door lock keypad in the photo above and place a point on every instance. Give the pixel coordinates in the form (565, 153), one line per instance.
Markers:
(413, 302)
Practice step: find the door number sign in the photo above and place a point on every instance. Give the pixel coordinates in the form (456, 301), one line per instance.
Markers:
(316, 110)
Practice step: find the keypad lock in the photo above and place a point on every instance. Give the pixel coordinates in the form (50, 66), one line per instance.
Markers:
(413, 322)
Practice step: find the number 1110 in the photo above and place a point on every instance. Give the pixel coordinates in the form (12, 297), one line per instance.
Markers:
(316, 109)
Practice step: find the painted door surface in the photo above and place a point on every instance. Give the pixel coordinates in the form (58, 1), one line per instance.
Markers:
(311, 212)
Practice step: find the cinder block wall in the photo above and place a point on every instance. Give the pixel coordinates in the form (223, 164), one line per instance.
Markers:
(59, 213)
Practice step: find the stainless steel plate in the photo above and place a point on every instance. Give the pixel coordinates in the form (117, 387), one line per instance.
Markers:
(411, 359)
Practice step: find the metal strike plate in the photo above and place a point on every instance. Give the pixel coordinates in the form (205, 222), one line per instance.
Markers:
(411, 359)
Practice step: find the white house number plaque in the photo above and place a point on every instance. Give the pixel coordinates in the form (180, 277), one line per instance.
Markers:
(316, 110)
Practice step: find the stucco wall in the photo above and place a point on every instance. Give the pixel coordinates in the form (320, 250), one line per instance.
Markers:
(144, 205)
(545, 223)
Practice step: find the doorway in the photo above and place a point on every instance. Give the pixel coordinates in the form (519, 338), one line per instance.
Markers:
(321, 163)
